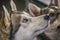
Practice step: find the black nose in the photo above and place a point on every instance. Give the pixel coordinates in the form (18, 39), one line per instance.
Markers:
(58, 27)
(46, 17)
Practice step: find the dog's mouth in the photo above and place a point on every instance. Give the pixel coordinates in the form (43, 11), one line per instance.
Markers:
(42, 29)
(39, 31)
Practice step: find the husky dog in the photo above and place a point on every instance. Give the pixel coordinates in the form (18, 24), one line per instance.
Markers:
(54, 26)
(24, 26)
(54, 12)
(28, 27)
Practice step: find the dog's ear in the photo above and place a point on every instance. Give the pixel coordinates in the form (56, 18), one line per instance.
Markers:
(33, 9)
(13, 5)
(7, 17)
(51, 3)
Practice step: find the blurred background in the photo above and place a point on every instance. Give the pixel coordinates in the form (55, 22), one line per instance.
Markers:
(21, 4)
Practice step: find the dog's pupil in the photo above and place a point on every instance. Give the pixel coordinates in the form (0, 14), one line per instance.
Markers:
(25, 20)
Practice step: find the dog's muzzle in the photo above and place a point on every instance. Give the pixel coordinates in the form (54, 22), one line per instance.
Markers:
(58, 27)
(46, 17)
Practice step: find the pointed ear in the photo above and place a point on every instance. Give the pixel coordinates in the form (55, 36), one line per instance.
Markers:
(13, 6)
(7, 17)
(33, 9)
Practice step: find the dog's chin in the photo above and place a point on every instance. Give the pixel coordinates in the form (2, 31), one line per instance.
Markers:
(39, 31)
(45, 27)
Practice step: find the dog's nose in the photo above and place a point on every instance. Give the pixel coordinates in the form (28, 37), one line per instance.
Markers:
(46, 17)
(58, 27)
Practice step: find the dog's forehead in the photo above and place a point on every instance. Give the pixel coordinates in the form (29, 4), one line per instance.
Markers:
(54, 7)
(51, 10)
(55, 10)
(17, 14)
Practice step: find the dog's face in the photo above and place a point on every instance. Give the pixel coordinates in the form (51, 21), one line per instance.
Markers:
(53, 30)
(25, 19)
(28, 26)
(52, 11)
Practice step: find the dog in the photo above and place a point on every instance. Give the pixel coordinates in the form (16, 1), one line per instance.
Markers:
(51, 33)
(54, 22)
(4, 27)
(24, 25)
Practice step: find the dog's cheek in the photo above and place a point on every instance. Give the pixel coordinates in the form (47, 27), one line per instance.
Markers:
(52, 19)
(59, 18)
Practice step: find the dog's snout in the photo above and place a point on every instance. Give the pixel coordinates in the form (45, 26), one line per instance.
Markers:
(58, 27)
(46, 17)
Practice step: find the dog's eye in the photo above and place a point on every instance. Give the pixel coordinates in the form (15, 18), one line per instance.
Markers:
(25, 20)
(52, 14)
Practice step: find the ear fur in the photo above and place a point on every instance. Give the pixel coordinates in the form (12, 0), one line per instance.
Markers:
(33, 9)
(1, 20)
(6, 18)
(13, 6)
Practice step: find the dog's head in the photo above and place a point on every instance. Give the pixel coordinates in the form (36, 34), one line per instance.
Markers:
(25, 25)
(28, 26)
(53, 11)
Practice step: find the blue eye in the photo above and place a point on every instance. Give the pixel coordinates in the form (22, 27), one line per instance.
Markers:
(25, 20)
